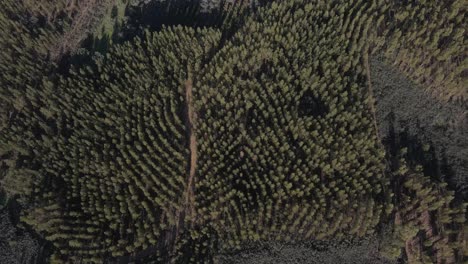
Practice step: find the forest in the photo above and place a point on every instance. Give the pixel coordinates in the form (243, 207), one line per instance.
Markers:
(202, 131)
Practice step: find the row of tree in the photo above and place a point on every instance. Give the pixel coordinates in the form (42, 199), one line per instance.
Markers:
(114, 147)
(426, 40)
(430, 225)
(286, 145)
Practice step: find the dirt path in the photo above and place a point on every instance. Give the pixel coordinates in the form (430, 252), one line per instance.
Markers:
(188, 206)
(371, 94)
(189, 192)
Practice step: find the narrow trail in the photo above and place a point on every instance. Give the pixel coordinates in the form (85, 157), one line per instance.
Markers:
(371, 94)
(188, 206)
(189, 192)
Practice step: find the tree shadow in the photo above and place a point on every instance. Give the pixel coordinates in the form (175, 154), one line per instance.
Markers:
(420, 152)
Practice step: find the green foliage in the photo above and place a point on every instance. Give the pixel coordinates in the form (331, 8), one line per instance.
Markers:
(427, 41)
(23, 53)
(112, 20)
(114, 147)
(284, 134)
(428, 218)
(286, 143)
(24, 50)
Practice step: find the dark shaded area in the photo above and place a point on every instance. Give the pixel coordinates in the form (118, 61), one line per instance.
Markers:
(417, 153)
(187, 250)
(154, 16)
(20, 245)
(434, 132)
(363, 251)
(309, 105)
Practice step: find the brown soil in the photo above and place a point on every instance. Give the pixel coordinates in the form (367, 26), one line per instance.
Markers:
(189, 192)
(413, 250)
(189, 195)
(188, 205)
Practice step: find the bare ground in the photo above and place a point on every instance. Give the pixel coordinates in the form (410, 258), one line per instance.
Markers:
(188, 206)
(189, 192)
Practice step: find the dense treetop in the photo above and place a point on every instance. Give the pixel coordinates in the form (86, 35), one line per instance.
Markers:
(178, 143)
